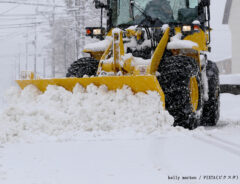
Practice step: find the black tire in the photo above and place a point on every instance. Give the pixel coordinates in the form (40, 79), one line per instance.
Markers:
(83, 66)
(175, 73)
(211, 108)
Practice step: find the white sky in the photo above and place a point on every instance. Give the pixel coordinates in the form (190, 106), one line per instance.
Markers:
(13, 40)
(221, 42)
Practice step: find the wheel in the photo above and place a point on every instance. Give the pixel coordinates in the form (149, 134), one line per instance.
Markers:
(211, 108)
(83, 66)
(180, 79)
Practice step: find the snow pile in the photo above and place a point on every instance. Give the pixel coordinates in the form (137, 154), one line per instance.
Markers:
(177, 43)
(57, 112)
(230, 109)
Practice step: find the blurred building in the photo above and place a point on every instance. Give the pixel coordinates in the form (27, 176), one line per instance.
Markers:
(232, 17)
(221, 41)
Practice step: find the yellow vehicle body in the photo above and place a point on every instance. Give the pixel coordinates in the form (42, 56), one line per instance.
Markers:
(139, 79)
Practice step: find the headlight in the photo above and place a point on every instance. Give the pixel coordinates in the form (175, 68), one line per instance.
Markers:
(97, 32)
(186, 28)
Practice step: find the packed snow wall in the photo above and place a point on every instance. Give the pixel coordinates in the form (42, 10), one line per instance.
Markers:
(58, 112)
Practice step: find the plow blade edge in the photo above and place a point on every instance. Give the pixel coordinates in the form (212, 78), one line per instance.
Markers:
(136, 83)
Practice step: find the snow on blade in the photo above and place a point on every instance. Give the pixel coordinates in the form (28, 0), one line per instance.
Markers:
(58, 111)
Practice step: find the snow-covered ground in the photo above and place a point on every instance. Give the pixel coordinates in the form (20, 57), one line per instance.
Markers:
(65, 138)
(58, 112)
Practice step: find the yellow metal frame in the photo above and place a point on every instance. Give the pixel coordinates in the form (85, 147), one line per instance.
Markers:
(200, 38)
(194, 93)
(117, 49)
(157, 56)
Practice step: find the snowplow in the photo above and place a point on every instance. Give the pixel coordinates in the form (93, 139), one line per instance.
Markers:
(156, 45)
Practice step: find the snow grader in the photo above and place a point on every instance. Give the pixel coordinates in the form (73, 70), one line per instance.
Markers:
(157, 45)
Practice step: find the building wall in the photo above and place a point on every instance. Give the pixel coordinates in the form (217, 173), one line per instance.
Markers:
(234, 22)
(221, 42)
(225, 66)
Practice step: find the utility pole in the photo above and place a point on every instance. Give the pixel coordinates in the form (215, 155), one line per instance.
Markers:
(35, 43)
(79, 26)
(26, 66)
(82, 24)
(19, 65)
(44, 68)
(53, 49)
(35, 50)
(18, 58)
(15, 68)
(65, 53)
(77, 23)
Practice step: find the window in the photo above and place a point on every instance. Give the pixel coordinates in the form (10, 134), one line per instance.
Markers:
(165, 11)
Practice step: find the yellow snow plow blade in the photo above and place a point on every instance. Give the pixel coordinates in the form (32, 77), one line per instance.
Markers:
(137, 83)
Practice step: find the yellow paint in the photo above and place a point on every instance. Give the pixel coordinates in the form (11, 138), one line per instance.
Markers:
(178, 30)
(115, 52)
(110, 32)
(199, 38)
(121, 45)
(130, 33)
(107, 67)
(134, 33)
(118, 51)
(157, 56)
(194, 93)
(139, 34)
(104, 57)
(106, 53)
(136, 71)
(137, 83)
(128, 67)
